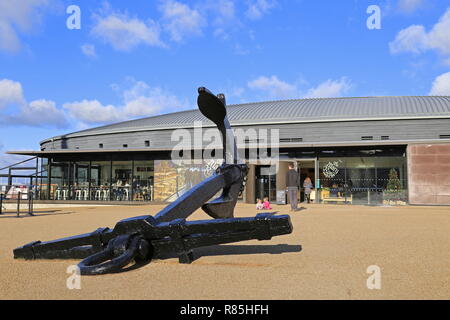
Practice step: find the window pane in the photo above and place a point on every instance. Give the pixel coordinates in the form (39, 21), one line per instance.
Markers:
(100, 180)
(59, 184)
(143, 180)
(80, 186)
(121, 187)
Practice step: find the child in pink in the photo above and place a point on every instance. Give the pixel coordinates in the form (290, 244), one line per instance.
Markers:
(266, 204)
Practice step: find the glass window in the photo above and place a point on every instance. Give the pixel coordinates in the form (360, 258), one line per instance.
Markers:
(80, 185)
(60, 181)
(100, 180)
(143, 180)
(363, 180)
(121, 180)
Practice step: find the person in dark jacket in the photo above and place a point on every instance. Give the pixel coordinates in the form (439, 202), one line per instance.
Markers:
(292, 183)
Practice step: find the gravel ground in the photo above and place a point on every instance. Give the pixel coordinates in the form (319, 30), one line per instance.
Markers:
(326, 257)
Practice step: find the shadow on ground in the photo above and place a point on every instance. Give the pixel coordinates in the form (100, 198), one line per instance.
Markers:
(226, 250)
(223, 250)
(7, 215)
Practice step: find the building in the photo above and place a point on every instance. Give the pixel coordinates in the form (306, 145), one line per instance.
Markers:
(369, 150)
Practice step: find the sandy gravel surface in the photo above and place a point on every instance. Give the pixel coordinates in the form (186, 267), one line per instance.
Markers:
(326, 257)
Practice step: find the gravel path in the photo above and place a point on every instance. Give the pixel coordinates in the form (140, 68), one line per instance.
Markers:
(326, 257)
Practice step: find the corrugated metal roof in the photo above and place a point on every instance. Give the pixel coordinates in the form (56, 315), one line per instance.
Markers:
(300, 110)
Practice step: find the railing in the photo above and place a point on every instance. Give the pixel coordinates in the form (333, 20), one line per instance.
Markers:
(20, 195)
(17, 163)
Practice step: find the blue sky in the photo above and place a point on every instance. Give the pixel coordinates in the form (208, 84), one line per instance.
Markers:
(132, 59)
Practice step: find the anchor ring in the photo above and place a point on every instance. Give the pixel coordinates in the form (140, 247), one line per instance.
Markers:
(119, 253)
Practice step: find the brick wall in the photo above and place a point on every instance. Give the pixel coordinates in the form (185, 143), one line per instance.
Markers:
(429, 174)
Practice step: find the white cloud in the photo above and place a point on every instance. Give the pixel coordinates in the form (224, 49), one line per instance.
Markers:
(273, 86)
(88, 50)
(256, 9)
(37, 113)
(441, 85)
(439, 36)
(223, 12)
(142, 100)
(92, 111)
(409, 6)
(10, 92)
(138, 101)
(18, 17)
(416, 39)
(412, 39)
(180, 20)
(41, 113)
(124, 33)
(330, 88)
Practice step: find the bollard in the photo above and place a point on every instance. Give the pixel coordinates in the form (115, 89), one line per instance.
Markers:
(18, 204)
(30, 203)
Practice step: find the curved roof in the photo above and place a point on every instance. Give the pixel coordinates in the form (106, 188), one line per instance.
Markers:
(291, 111)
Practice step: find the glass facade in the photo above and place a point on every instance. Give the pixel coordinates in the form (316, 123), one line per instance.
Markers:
(345, 175)
(362, 180)
(352, 175)
(97, 180)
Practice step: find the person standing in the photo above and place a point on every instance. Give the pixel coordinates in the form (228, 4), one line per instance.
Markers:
(307, 184)
(292, 183)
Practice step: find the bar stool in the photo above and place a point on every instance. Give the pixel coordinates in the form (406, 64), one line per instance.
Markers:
(58, 194)
(106, 195)
(85, 194)
(98, 194)
(78, 194)
(64, 194)
(126, 192)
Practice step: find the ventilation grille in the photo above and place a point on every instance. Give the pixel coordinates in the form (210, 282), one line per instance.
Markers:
(367, 138)
(384, 137)
(444, 136)
(247, 140)
(291, 139)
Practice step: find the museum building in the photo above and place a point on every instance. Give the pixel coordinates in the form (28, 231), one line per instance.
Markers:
(368, 150)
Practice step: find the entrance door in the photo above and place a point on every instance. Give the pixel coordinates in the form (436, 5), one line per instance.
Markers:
(307, 168)
(265, 182)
